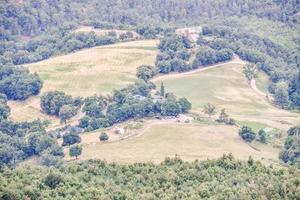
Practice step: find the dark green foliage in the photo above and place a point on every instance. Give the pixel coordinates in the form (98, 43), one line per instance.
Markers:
(291, 150)
(75, 151)
(17, 83)
(94, 105)
(66, 112)
(185, 105)
(103, 136)
(71, 138)
(19, 141)
(262, 136)
(162, 89)
(174, 54)
(84, 122)
(52, 180)
(171, 107)
(52, 102)
(4, 108)
(134, 101)
(48, 160)
(145, 72)
(224, 178)
(207, 56)
(247, 134)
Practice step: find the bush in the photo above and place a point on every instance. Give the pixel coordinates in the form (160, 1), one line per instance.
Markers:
(262, 135)
(145, 72)
(75, 151)
(71, 138)
(247, 134)
(103, 137)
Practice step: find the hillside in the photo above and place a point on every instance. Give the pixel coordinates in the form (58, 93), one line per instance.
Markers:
(224, 178)
(151, 99)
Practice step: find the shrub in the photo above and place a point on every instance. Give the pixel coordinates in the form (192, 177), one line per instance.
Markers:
(103, 137)
(247, 134)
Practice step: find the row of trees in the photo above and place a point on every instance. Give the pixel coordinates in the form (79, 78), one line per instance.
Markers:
(135, 101)
(249, 135)
(208, 56)
(44, 46)
(171, 179)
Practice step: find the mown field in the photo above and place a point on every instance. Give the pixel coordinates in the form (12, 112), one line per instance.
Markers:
(97, 70)
(189, 141)
(226, 87)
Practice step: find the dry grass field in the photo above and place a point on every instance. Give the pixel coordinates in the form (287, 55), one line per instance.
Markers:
(189, 141)
(226, 87)
(97, 70)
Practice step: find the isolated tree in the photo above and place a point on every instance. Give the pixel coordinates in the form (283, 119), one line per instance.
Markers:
(247, 134)
(145, 72)
(209, 109)
(75, 151)
(262, 135)
(223, 118)
(250, 71)
(66, 112)
(103, 136)
(71, 138)
(162, 89)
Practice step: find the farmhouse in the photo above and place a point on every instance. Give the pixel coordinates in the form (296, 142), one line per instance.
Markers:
(191, 33)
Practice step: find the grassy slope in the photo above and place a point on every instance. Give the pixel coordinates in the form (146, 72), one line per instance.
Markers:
(95, 70)
(189, 141)
(226, 87)
(86, 72)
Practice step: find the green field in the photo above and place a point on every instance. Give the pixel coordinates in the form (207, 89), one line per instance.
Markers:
(226, 87)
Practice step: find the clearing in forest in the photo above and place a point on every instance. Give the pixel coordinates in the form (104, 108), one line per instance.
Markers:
(189, 141)
(225, 86)
(96, 70)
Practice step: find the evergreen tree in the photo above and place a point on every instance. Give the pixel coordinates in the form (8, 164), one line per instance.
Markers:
(162, 89)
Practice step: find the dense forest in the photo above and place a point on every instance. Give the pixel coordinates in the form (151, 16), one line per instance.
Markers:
(225, 178)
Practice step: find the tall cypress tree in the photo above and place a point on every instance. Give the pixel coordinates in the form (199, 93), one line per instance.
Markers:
(162, 89)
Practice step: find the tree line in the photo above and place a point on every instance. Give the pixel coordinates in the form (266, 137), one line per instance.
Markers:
(223, 178)
(134, 101)
(280, 63)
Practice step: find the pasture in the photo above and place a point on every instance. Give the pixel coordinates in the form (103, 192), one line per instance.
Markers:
(97, 70)
(226, 87)
(189, 141)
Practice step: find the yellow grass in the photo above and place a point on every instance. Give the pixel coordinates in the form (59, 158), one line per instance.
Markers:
(189, 141)
(226, 87)
(97, 70)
